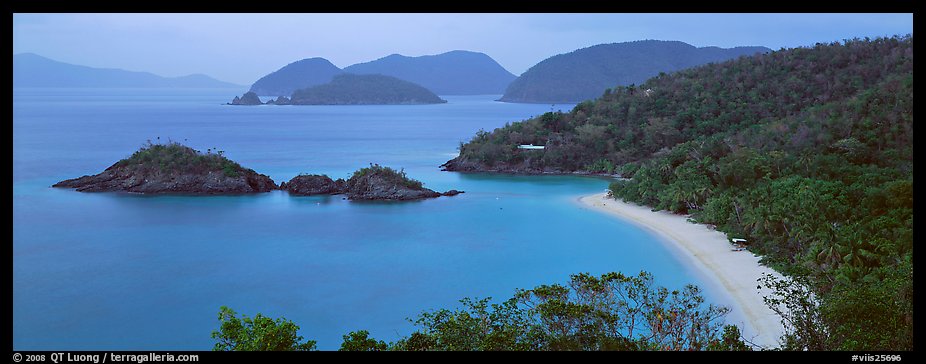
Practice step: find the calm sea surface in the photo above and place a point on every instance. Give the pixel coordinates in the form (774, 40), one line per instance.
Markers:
(96, 271)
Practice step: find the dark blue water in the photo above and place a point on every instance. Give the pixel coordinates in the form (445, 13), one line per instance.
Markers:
(95, 271)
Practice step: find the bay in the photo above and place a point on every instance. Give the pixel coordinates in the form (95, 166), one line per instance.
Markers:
(113, 271)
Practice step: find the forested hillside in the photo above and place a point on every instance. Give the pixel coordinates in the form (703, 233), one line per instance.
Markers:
(351, 89)
(807, 153)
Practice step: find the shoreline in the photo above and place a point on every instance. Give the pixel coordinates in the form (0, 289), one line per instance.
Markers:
(733, 273)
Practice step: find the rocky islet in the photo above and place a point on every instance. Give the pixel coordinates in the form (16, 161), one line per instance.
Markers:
(177, 169)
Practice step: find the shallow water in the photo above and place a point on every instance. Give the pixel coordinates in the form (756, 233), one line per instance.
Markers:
(99, 271)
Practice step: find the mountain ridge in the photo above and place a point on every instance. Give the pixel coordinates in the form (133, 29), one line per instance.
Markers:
(585, 73)
(456, 72)
(296, 75)
(33, 70)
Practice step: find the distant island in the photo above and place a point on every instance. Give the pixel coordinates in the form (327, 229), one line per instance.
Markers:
(371, 183)
(173, 168)
(297, 75)
(32, 70)
(584, 74)
(350, 89)
(451, 73)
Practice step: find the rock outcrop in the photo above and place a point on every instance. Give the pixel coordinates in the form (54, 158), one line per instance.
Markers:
(249, 98)
(281, 100)
(375, 183)
(177, 169)
(314, 184)
(462, 164)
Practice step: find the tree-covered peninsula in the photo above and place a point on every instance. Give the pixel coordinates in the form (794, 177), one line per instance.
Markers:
(806, 153)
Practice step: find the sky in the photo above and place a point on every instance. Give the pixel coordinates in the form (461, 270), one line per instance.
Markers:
(241, 48)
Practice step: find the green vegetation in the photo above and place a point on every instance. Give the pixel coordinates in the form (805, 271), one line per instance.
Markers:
(350, 89)
(361, 341)
(807, 153)
(175, 158)
(610, 312)
(389, 175)
(258, 334)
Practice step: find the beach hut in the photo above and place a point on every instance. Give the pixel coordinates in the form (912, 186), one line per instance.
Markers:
(739, 244)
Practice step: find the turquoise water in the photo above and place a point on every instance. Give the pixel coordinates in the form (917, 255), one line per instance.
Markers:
(98, 271)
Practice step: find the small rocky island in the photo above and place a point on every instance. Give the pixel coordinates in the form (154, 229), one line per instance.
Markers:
(314, 184)
(351, 89)
(249, 98)
(374, 183)
(173, 168)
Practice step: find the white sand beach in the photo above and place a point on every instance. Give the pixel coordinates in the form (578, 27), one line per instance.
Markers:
(708, 251)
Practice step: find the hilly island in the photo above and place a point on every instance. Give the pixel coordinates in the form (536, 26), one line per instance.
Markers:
(451, 73)
(351, 89)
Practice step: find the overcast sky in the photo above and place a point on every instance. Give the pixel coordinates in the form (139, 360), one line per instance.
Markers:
(240, 48)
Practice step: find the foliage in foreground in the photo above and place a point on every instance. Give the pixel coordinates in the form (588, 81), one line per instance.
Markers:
(610, 312)
(361, 341)
(260, 333)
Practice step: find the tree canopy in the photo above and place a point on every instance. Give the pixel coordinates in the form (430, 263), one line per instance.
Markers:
(260, 333)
